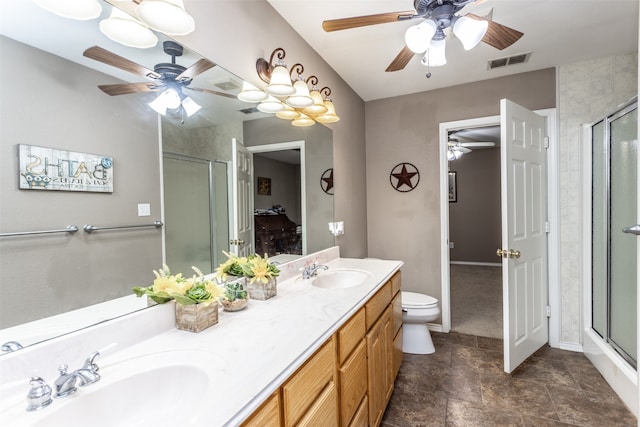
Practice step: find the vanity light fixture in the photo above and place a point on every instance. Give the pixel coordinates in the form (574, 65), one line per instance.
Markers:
(81, 10)
(318, 106)
(250, 93)
(303, 121)
(167, 16)
(127, 30)
(300, 98)
(271, 105)
(277, 76)
(288, 113)
(330, 115)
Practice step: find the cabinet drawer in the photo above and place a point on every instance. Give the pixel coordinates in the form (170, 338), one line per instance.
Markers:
(324, 411)
(353, 383)
(377, 304)
(304, 387)
(397, 312)
(396, 282)
(268, 415)
(350, 335)
(361, 418)
(397, 353)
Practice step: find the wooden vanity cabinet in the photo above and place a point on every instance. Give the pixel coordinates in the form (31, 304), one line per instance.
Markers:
(267, 415)
(352, 371)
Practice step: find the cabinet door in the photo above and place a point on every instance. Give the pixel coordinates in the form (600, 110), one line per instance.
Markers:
(361, 418)
(397, 353)
(324, 412)
(353, 383)
(378, 354)
(268, 415)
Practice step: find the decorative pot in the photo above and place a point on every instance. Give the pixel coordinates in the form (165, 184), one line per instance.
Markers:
(196, 317)
(262, 291)
(235, 295)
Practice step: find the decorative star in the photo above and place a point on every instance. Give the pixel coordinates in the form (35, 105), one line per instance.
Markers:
(405, 177)
(327, 181)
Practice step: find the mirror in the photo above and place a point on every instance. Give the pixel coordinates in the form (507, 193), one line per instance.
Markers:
(50, 99)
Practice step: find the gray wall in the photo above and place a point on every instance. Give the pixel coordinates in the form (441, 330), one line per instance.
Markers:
(285, 186)
(475, 219)
(50, 102)
(406, 226)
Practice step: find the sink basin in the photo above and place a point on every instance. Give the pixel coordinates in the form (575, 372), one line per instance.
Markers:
(167, 388)
(340, 278)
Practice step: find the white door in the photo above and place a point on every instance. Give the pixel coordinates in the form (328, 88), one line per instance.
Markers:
(241, 205)
(524, 237)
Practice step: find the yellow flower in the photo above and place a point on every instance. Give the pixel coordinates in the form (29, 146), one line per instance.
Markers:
(260, 272)
(171, 284)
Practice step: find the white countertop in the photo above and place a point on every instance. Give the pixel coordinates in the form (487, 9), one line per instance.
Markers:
(249, 353)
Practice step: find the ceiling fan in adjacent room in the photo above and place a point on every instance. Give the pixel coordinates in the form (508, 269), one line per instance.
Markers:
(457, 149)
(172, 80)
(428, 37)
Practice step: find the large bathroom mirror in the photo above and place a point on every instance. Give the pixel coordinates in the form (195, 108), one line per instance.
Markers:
(51, 100)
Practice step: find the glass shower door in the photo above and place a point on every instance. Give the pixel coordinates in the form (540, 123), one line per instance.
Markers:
(623, 256)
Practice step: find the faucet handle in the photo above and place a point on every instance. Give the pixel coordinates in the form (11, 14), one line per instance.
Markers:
(39, 395)
(90, 364)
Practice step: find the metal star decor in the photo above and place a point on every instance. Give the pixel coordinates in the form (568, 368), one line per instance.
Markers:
(326, 181)
(404, 174)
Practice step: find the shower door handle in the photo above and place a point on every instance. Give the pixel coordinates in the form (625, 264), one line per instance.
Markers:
(634, 229)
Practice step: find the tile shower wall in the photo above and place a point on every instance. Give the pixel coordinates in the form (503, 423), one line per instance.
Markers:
(586, 92)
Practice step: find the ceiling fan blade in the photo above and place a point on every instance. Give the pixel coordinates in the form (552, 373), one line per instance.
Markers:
(106, 57)
(127, 88)
(199, 67)
(363, 21)
(401, 60)
(478, 144)
(213, 92)
(498, 35)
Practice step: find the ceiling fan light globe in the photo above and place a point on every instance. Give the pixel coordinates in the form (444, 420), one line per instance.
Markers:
(167, 16)
(280, 82)
(250, 93)
(418, 37)
(450, 155)
(435, 56)
(128, 31)
(81, 10)
(470, 31)
(190, 106)
(158, 105)
(457, 154)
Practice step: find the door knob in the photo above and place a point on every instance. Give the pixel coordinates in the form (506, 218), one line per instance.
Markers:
(236, 242)
(514, 254)
(501, 253)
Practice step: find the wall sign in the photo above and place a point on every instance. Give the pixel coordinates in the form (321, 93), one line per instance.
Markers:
(44, 168)
(404, 177)
(326, 181)
(264, 186)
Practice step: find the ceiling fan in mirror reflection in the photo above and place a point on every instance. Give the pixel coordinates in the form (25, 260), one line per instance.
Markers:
(171, 80)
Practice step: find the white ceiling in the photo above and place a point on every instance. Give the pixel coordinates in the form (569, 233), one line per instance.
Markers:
(555, 31)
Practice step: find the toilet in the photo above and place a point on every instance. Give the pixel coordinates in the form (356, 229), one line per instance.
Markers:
(417, 310)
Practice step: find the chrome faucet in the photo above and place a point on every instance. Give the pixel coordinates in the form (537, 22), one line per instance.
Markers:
(65, 385)
(311, 270)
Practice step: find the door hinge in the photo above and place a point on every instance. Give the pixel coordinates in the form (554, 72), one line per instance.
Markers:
(548, 311)
(547, 226)
(546, 142)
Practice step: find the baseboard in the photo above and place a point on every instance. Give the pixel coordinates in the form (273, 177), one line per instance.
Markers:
(569, 346)
(434, 327)
(486, 264)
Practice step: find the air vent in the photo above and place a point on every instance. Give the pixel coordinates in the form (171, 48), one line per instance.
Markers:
(249, 110)
(510, 60)
(229, 85)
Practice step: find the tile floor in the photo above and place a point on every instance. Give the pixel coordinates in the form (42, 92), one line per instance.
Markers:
(462, 384)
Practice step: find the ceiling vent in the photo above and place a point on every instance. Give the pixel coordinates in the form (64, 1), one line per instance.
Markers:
(228, 85)
(510, 60)
(249, 110)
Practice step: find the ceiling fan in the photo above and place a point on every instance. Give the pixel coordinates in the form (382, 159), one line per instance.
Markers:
(456, 148)
(428, 36)
(170, 79)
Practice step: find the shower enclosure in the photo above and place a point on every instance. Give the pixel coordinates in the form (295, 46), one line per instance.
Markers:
(614, 228)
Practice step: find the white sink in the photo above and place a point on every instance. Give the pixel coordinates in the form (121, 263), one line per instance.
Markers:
(340, 278)
(167, 388)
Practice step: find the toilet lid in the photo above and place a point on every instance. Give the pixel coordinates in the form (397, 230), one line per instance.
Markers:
(413, 299)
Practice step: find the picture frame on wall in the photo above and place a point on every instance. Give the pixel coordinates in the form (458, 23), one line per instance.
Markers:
(453, 187)
(264, 186)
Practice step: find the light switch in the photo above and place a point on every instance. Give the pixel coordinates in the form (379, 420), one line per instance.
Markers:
(144, 209)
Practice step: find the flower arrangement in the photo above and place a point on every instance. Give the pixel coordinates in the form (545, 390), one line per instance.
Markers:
(186, 291)
(254, 267)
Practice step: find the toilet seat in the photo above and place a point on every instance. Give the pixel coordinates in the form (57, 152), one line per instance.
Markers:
(416, 300)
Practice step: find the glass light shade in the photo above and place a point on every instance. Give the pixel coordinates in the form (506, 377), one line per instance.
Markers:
(303, 121)
(81, 10)
(419, 36)
(250, 93)
(288, 113)
(126, 30)
(457, 153)
(167, 100)
(435, 56)
(190, 106)
(166, 16)
(270, 105)
(280, 82)
(330, 116)
(301, 98)
(470, 31)
(318, 106)
(450, 155)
